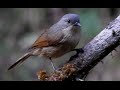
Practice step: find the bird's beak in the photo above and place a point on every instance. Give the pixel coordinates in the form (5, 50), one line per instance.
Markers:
(77, 24)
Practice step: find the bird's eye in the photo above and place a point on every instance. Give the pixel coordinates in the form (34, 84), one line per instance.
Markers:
(68, 21)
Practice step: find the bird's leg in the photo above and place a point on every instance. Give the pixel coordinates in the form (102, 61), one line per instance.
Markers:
(52, 64)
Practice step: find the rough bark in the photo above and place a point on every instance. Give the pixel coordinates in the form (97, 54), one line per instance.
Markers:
(89, 55)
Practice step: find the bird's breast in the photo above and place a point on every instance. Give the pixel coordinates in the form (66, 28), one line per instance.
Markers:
(71, 36)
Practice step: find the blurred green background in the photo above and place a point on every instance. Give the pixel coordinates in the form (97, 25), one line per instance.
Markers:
(19, 27)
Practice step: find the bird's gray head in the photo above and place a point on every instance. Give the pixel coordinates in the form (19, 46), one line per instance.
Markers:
(70, 19)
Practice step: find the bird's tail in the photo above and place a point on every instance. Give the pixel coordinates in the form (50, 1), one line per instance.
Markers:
(20, 60)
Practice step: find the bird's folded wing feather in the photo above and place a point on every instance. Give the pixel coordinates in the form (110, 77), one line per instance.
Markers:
(49, 38)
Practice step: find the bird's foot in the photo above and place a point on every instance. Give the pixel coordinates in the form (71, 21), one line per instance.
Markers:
(80, 50)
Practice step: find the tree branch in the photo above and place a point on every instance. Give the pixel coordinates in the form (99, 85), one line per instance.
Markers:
(92, 53)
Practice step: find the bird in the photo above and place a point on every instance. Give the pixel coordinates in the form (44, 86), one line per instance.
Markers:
(59, 39)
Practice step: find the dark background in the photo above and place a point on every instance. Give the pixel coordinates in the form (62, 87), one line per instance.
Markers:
(20, 27)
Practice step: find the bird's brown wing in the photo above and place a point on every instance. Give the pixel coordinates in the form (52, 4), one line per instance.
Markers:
(47, 39)
(40, 42)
